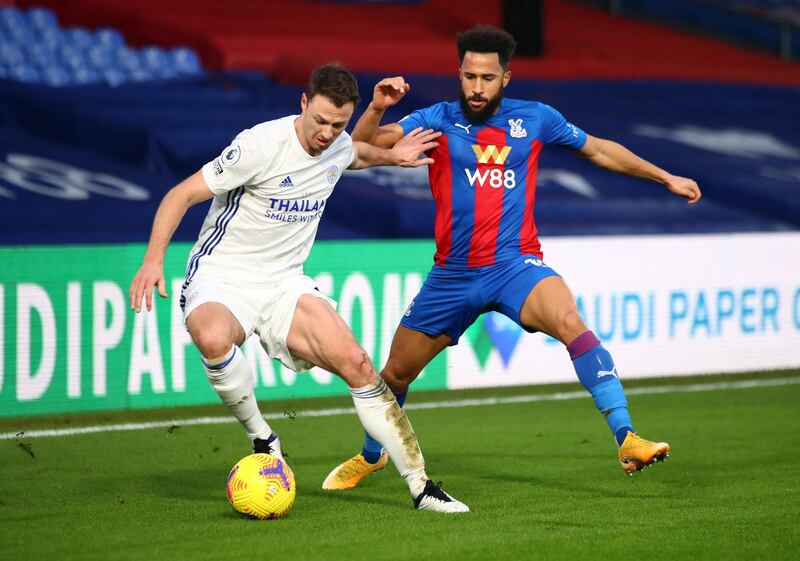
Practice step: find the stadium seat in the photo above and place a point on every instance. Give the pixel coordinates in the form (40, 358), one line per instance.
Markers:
(80, 38)
(153, 58)
(53, 38)
(56, 76)
(186, 61)
(113, 77)
(11, 55)
(127, 59)
(73, 58)
(140, 75)
(22, 35)
(26, 74)
(34, 48)
(42, 19)
(12, 18)
(41, 55)
(100, 57)
(85, 76)
(110, 38)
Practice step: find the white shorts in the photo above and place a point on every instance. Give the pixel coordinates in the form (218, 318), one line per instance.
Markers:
(266, 310)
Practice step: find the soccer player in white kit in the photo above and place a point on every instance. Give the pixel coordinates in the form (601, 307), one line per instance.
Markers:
(245, 273)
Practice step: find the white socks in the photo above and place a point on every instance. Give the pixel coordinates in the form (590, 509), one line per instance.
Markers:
(387, 423)
(375, 404)
(232, 379)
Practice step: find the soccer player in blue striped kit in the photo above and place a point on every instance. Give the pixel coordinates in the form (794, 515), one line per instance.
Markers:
(488, 256)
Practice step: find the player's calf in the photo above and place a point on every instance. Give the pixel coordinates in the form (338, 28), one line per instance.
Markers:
(598, 374)
(231, 377)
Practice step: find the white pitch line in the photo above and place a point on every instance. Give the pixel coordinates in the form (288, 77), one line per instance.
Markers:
(691, 388)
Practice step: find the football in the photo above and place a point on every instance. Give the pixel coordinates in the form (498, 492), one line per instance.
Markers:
(261, 486)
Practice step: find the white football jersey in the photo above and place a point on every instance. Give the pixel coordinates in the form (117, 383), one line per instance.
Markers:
(269, 197)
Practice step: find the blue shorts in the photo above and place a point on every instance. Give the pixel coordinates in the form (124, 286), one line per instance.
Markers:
(451, 300)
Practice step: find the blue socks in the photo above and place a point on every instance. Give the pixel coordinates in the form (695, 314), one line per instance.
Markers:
(372, 448)
(597, 373)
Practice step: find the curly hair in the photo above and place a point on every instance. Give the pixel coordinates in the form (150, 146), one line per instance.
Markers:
(486, 39)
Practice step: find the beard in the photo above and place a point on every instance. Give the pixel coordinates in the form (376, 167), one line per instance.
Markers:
(484, 113)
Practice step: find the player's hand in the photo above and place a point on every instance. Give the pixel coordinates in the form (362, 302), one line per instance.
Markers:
(388, 92)
(684, 187)
(149, 275)
(408, 149)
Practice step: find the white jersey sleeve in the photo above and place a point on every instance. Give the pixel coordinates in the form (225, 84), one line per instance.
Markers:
(239, 164)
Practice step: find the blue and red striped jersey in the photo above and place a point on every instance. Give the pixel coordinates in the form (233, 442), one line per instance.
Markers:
(484, 178)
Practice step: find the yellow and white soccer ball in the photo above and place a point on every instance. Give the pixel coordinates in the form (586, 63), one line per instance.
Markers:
(261, 486)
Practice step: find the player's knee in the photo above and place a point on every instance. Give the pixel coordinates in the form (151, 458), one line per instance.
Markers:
(395, 378)
(212, 344)
(357, 368)
(570, 325)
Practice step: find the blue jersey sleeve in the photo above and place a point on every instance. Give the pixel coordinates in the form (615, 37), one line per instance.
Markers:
(556, 130)
(428, 118)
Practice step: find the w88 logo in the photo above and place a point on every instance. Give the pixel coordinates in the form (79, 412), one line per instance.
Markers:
(494, 178)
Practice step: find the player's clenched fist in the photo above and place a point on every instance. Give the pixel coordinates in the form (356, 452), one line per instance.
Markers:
(684, 187)
(389, 91)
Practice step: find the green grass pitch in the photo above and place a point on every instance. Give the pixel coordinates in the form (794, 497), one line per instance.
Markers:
(541, 478)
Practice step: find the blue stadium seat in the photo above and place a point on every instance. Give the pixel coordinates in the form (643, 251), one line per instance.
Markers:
(56, 76)
(140, 75)
(41, 55)
(21, 36)
(42, 18)
(26, 74)
(158, 63)
(186, 61)
(34, 48)
(73, 58)
(113, 77)
(85, 76)
(12, 18)
(127, 59)
(109, 37)
(11, 54)
(80, 38)
(53, 38)
(100, 57)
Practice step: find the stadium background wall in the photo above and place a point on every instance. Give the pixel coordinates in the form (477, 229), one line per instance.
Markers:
(664, 305)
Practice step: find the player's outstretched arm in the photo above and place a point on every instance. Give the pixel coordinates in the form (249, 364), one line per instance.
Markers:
(406, 152)
(387, 92)
(617, 158)
(174, 205)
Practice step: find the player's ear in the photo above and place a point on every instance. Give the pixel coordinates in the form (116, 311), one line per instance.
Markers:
(303, 102)
(506, 77)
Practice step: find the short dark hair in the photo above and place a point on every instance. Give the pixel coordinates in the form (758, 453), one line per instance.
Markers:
(486, 39)
(334, 82)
